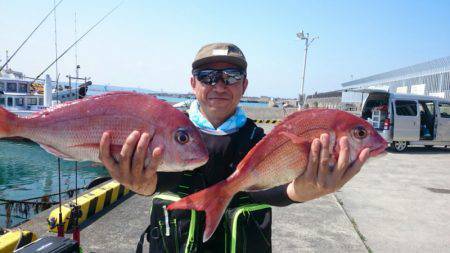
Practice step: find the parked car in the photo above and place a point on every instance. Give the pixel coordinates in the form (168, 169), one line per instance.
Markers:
(408, 120)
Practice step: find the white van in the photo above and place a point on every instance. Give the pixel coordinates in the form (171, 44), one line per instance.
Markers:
(407, 119)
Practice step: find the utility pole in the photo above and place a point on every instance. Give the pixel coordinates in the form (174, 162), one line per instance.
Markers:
(308, 42)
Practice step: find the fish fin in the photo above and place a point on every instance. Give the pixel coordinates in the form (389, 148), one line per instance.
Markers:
(7, 119)
(213, 200)
(56, 152)
(296, 139)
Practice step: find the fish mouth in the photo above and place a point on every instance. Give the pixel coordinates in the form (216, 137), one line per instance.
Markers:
(194, 163)
(378, 150)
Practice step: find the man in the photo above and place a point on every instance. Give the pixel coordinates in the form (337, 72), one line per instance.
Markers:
(219, 81)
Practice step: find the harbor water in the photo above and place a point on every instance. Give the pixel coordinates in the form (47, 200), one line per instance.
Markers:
(27, 171)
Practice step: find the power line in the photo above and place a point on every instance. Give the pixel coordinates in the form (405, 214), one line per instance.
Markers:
(29, 36)
(111, 11)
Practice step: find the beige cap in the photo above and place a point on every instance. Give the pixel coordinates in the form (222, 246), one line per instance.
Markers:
(220, 52)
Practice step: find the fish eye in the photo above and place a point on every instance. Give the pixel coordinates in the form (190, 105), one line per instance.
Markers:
(181, 136)
(360, 132)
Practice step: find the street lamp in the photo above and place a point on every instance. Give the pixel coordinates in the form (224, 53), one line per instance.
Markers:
(308, 41)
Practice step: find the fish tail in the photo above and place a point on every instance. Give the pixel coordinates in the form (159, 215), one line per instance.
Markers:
(213, 200)
(7, 120)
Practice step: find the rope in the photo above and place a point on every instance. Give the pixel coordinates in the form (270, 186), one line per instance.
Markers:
(27, 201)
(51, 64)
(29, 36)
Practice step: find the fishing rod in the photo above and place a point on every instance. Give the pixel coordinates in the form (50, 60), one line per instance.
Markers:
(76, 210)
(76, 228)
(76, 42)
(61, 222)
(29, 36)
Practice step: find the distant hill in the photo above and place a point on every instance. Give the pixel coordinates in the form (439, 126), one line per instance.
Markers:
(99, 88)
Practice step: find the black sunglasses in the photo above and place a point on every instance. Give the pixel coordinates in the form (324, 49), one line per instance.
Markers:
(229, 76)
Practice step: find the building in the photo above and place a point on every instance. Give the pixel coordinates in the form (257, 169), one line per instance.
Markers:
(331, 99)
(429, 78)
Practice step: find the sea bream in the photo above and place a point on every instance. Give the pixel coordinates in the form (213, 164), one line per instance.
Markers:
(73, 130)
(281, 156)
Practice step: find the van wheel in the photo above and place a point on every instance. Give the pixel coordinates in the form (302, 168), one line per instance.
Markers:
(400, 146)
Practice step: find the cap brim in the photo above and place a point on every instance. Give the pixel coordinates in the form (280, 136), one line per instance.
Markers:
(239, 62)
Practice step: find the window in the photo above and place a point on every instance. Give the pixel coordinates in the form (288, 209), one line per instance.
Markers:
(19, 101)
(2, 101)
(11, 87)
(444, 109)
(10, 101)
(406, 108)
(430, 106)
(32, 101)
(41, 101)
(2, 86)
(23, 88)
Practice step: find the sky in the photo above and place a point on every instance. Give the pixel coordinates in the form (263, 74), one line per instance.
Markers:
(151, 44)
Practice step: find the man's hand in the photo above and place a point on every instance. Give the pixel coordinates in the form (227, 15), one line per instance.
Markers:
(319, 179)
(130, 169)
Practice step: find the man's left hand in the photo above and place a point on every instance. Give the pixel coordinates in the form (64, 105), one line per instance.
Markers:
(318, 179)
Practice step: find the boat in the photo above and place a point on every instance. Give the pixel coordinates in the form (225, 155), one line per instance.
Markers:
(183, 105)
(24, 96)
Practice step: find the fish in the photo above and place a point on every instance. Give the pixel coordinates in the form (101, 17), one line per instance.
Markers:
(73, 130)
(281, 156)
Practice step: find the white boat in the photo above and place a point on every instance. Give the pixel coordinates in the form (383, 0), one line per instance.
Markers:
(20, 95)
(183, 105)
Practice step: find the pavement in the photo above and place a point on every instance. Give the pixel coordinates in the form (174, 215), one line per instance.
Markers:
(401, 202)
(397, 203)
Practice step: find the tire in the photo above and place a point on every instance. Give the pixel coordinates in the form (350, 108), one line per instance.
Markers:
(400, 146)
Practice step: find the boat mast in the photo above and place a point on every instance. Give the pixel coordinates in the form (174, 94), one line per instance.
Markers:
(56, 57)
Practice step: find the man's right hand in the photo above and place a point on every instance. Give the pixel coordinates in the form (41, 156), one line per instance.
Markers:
(129, 167)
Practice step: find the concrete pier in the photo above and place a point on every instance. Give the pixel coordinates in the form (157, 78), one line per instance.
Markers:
(397, 203)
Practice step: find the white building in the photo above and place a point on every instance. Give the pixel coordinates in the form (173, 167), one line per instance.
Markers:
(429, 78)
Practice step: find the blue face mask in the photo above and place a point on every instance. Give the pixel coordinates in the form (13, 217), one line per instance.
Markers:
(231, 125)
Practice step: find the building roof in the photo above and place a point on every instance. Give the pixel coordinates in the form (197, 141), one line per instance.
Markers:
(328, 94)
(426, 68)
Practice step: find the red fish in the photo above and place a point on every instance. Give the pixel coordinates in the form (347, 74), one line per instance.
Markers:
(73, 130)
(281, 156)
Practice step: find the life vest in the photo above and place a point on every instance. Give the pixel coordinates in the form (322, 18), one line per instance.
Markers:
(245, 225)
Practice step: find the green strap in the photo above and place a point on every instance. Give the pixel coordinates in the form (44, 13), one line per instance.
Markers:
(243, 209)
(191, 236)
(167, 196)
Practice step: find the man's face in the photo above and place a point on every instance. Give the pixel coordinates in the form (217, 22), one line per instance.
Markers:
(219, 100)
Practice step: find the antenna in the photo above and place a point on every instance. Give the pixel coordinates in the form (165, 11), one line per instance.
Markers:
(56, 56)
(76, 51)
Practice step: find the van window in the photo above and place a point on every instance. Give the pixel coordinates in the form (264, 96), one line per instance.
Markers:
(444, 108)
(430, 106)
(406, 108)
